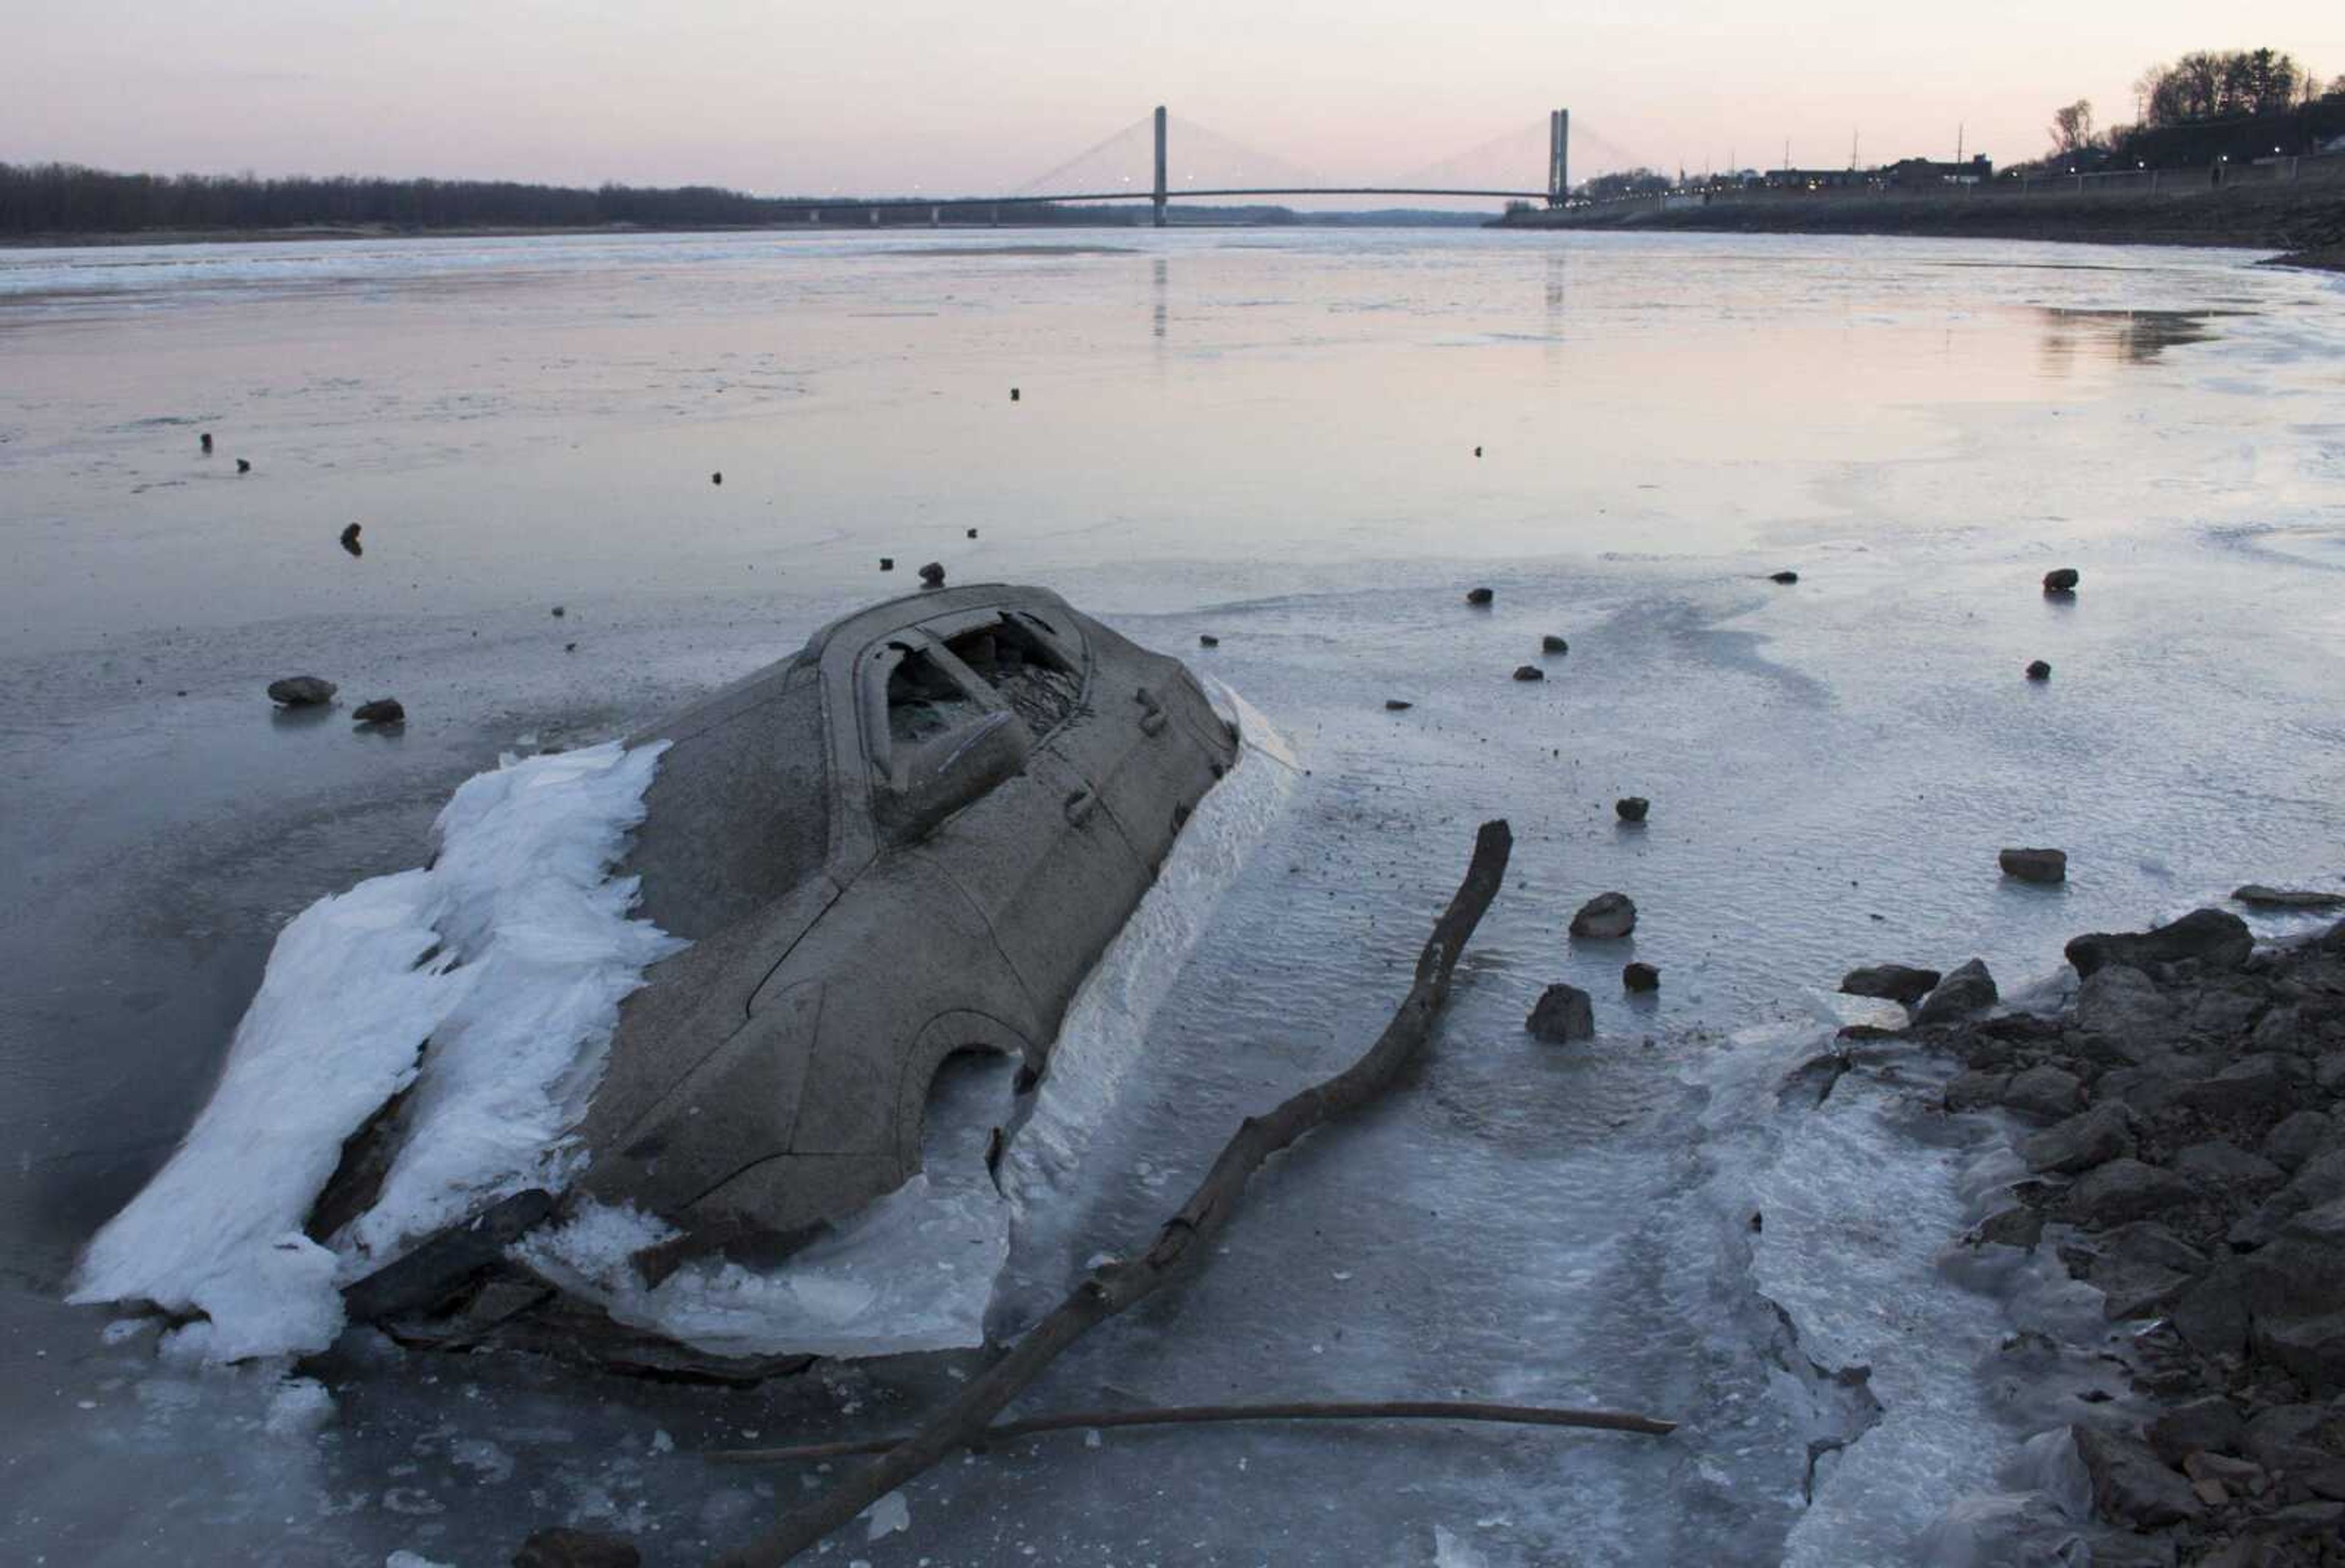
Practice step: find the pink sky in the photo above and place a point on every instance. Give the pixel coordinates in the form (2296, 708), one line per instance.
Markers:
(885, 95)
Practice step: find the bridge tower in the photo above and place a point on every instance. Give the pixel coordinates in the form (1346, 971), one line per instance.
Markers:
(1159, 165)
(1558, 156)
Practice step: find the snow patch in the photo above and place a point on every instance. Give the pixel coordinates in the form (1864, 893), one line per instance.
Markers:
(887, 1516)
(509, 955)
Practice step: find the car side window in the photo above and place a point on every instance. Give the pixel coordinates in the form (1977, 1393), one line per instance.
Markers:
(1029, 672)
(924, 702)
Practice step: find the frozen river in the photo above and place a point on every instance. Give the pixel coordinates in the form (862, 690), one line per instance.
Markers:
(1308, 445)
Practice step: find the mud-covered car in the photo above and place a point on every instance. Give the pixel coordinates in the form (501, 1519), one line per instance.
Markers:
(910, 840)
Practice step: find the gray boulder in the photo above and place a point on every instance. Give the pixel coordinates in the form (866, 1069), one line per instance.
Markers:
(2295, 1292)
(1563, 1014)
(1605, 916)
(2060, 580)
(2219, 1162)
(301, 692)
(1969, 989)
(1974, 1090)
(2119, 1000)
(2248, 1086)
(2083, 1141)
(2210, 1424)
(2215, 936)
(2037, 866)
(2045, 1091)
(2300, 1138)
(2210, 1316)
(1890, 982)
(2122, 1189)
(2129, 1485)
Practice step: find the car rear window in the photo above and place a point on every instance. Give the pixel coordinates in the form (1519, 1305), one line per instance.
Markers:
(1029, 672)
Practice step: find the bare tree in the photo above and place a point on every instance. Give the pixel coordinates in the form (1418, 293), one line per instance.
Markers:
(2072, 127)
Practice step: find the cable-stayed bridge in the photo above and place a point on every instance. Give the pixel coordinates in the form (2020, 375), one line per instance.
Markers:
(1160, 160)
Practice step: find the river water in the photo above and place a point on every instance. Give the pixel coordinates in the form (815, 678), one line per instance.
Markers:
(1308, 445)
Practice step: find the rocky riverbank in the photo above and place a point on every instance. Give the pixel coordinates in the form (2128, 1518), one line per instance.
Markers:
(2183, 1126)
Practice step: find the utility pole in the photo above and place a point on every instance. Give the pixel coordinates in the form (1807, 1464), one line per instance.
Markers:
(1158, 197)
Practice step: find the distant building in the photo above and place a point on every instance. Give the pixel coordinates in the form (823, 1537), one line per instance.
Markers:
(1817, 179)
(1915, 172)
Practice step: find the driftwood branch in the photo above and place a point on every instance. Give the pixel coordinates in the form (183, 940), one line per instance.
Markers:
(1113, 1286)
(1193, 1415)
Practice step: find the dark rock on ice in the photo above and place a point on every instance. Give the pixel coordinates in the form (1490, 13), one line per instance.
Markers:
(2038, 669)
(302, 690)
(2129, 1485)
(1552, 644)
(1890, 983)
(2044, 1091)
(1207, 640)
(1395, 705)
(1641, 977)
(566, 1548)
(1968, 990)
(205, 441)
(2208, 1424)
(381, 711)
(2256, 896)
(932, 575)
(1605, 916)
(2124, 1190)
(2089, 1138)
(1632, 807)
(1786, 577)
(1480, 595)
(886, 563)
(2060, 580)
(1563, 1014)
(2215, 937)
(350, 541)
(242, 466)
(1529, 672)
(2038, 866)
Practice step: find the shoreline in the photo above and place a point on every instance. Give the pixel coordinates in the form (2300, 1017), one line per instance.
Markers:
(2181, 1122)
(2305, 221)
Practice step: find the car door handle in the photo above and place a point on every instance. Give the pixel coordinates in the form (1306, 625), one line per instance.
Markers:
(1080, 806)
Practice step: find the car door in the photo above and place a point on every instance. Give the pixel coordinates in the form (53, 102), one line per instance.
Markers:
(1033, 852)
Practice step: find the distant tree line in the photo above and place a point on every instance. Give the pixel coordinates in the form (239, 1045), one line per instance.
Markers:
(2209, 105)
(2213, 85)
(65, 199)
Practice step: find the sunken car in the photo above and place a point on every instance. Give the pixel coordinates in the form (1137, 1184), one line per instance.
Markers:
(912, 839)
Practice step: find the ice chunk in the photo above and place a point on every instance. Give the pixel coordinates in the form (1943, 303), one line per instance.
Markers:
(887, 1516)
(298, 1408)
(510, 955)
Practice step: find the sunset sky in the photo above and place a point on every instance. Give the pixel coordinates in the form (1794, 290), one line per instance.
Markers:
(885, 96)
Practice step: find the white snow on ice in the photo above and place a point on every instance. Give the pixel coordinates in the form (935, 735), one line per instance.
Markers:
(510, 955)
(916, 1270)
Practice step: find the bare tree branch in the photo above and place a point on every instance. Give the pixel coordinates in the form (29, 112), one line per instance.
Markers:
(1113, 1286)
(1192, 1415)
